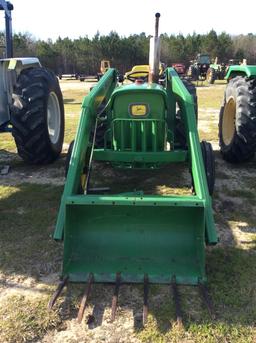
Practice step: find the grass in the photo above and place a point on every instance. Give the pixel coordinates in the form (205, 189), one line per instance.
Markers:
(24, 320)
(28, 214)
(211, 97)
(231, 281)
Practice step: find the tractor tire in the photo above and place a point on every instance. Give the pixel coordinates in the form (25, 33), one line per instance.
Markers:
(237, 121)
(209, 164)
(37, 116)
(179, 128)
(211, 76)
(192, 91)
(194, 74)
(100, 134)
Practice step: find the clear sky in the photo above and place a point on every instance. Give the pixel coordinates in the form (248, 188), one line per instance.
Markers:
(52, 18)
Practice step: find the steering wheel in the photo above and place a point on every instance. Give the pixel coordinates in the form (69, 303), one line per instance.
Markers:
(135, 75)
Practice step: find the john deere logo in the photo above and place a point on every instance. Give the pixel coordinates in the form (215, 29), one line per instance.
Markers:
(138, 109)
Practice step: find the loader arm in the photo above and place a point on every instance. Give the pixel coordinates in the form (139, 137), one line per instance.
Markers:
(185, 101)
(88, 116)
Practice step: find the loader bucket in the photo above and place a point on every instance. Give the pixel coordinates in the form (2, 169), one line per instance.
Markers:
(161, 238)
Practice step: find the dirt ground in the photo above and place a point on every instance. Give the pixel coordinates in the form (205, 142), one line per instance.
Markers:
(233, 206)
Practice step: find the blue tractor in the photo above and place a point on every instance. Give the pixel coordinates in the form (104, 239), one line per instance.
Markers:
(31, 104)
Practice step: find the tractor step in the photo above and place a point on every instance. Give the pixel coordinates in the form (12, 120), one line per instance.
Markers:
(205, 296)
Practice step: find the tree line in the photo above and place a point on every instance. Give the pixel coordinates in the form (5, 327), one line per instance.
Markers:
(83, 55)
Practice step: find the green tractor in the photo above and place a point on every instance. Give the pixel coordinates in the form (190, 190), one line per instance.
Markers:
(131, 235)
(216, 71)
(199, 67)
(237, 120)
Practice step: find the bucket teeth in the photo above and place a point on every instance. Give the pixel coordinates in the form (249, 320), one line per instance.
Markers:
(85, 299)
(57, 293)
(207, 300)
(145, 300)
(176, 299)
(174, 290)
(115, 297)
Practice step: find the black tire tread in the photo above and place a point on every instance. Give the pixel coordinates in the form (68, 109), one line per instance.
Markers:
(212, 79)
(243, 144)
(180, 135)
(28, 116)
(209, 164)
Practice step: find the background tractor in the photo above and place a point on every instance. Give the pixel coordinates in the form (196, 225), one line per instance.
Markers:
(237, 120)
(180, 68)
(216, 71)
(133, 235)
(142, 72)
(31, 104)
(198, 69)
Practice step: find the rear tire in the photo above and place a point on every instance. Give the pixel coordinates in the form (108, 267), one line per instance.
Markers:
(211, 76)
(180, 135)
(37, 116)
(237, 120)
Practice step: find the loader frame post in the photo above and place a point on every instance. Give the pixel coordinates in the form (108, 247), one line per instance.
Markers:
(196, 159)
(87, 119)
(8, 7)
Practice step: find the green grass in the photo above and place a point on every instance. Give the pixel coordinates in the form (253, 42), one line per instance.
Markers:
(232, 274)
(28, 214)
(210, 98)
(26, 320)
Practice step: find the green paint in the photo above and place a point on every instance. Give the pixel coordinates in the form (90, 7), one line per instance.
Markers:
(162, 236)
(243, 70)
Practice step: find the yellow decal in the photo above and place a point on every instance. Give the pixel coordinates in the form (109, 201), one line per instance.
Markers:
(138, 110)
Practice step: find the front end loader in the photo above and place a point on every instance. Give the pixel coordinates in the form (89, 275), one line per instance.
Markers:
(132, 236)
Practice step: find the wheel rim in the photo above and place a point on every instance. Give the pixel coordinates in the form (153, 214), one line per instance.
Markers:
(229, 121)
(53, 118)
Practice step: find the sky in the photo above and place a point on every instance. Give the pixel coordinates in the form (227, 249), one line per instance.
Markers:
(53, 18)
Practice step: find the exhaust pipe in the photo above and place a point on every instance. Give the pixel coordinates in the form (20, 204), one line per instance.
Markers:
(154, 53)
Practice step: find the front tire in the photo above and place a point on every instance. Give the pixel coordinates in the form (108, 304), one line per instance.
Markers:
(209, 164)
(237, 120)
(37, 116)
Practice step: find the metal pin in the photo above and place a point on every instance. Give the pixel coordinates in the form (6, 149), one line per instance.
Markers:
(176, 299)
(84, 299)
(115, 297)
(56, 294)
(206, 298)
(145, 302)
